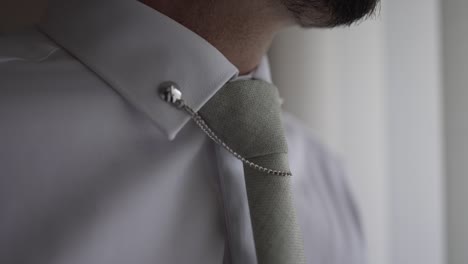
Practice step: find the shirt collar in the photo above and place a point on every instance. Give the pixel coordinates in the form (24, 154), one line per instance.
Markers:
(135, 49)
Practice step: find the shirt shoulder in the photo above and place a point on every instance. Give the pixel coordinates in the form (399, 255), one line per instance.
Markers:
(311, 161)
(320, 185)
(35, 68)
(30, 63)
(25, 46)
(41, 83)
(302, 140)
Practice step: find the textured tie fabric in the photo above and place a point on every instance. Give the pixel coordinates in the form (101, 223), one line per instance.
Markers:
(246, 115)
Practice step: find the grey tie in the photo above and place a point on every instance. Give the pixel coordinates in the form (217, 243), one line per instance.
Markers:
(246, 116)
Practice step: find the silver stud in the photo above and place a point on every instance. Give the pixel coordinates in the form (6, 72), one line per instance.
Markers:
(169, 92)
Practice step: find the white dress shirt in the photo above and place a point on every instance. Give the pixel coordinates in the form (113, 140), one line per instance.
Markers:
(96, 169)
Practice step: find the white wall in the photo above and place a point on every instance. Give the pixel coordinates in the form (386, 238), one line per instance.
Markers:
(373, 94)
(416, 161)
(455, 28)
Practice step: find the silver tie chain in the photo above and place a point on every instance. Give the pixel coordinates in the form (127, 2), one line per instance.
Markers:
(172, 95)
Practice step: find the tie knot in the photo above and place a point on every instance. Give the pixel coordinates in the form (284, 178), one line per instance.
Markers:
(247, 116)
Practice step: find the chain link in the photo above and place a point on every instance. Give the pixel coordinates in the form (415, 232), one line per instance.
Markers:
(179, 103)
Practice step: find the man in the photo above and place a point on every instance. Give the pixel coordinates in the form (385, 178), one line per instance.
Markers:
(100, 162)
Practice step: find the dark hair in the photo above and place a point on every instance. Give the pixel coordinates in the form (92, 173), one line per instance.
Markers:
(330, 13)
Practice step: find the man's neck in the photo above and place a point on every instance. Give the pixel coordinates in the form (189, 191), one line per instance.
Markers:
(242, 33)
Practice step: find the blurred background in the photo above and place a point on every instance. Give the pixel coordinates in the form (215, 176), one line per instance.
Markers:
(390, 97)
